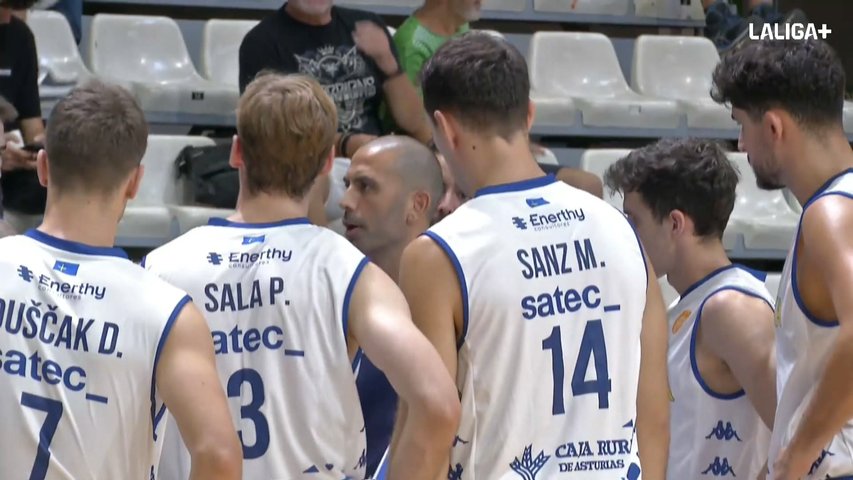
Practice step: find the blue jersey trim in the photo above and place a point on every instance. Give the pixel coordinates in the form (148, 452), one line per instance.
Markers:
(517, 186)
(707, 277)
(348, 295)
(460, 275)
(820, 322)
(74, 247)
(160, 344)
(223, 222)
(356, 359)
(142, 262)
(694, 334)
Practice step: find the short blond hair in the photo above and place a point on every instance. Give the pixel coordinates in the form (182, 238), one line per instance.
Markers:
(287, 126)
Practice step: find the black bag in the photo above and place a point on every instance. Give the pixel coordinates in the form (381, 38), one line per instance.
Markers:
(213, 182)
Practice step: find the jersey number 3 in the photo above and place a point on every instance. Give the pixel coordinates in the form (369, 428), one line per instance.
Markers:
(252, 411)
(592, 347)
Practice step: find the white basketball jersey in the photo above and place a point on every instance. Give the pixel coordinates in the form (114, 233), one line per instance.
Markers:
(803, 344)
(553, 285)
(712, 434)
(276, 298)
(81, 329)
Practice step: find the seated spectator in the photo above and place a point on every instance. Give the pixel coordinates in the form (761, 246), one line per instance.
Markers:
(347, 51)
(436, 22)
(21, 190)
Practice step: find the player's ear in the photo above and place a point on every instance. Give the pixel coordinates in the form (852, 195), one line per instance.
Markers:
(773, 121)
(236, 158)
(327, 166)
(135, 181)
(531, 114)
(446, 128)
(42, 167)
(420, 204)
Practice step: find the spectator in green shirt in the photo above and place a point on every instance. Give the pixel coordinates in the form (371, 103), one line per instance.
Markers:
(436, 22)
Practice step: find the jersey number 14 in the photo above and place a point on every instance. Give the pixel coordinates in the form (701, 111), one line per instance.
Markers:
(592, 348)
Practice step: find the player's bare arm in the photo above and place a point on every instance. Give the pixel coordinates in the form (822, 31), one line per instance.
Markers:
(432, 289)
(653, 389)
(827, 254)
(189, 385)
(738, 329)
(381, 323)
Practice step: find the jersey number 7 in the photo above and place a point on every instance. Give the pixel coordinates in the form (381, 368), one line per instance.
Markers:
(53, 409)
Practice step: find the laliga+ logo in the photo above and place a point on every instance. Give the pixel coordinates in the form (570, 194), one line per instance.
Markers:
(789, 31)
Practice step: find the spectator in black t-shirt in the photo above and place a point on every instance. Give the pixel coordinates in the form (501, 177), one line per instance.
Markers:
(19, 85)
(347, 51)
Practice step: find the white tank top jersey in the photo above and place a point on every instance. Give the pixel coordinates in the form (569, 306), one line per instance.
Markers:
(81, 331)
(711, 434)
(553, 283)
(276, 298)
(803, 343)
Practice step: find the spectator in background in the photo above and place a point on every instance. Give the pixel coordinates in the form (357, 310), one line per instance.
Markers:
(7, 113)
(21, 190)
(347, 51)
(436, 22)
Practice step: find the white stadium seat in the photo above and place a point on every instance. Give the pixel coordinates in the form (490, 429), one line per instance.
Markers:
(596, 161)
(505, 5)
(150, 55)
(670, 9)
(680, 68)
(381, 3)
(599, 7)
(848, 117)
(584, 67)
(148, 219)
(334, 212)
(772, 283)
(57, 52)
(221, 49)
(762, 218)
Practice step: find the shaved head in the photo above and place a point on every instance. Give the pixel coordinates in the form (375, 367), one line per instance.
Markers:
(394, 187)
(413, 162)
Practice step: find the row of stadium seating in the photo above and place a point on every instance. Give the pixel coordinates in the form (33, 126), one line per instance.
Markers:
(669, 88)
(761, 226)
(649, 8)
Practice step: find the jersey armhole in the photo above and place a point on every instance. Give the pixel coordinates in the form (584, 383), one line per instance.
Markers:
(348, 296)
(157, 414)
(142, 262)
(795, 287)
(694, 366)
(463, 286)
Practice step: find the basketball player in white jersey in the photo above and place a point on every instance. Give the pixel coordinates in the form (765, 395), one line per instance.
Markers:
(536, 294)
(94, 348)
(289, 305)
(679, 194)
(393, 186)
(788, 98)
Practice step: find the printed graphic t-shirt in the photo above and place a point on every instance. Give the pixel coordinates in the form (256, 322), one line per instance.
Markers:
(417, 44)
(328, 54)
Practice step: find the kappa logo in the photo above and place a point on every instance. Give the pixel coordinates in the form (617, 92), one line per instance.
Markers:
(723, 432)
(720, 468)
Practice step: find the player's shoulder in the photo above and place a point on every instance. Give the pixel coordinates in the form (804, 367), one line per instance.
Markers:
(738, 301)
(178, 248)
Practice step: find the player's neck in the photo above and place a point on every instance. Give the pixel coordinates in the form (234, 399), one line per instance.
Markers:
(497, 163)
(815, 163)
(87, 220)
(439, 18)
(266, 208)
(696, 264)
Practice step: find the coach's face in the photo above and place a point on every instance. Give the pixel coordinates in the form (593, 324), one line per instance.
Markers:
(654, 233)
(374, 202)
(756, 139)
(312, 7)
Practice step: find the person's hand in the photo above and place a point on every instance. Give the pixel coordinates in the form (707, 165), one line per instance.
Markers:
(788, 467)
(372, 40)
(15, 158)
